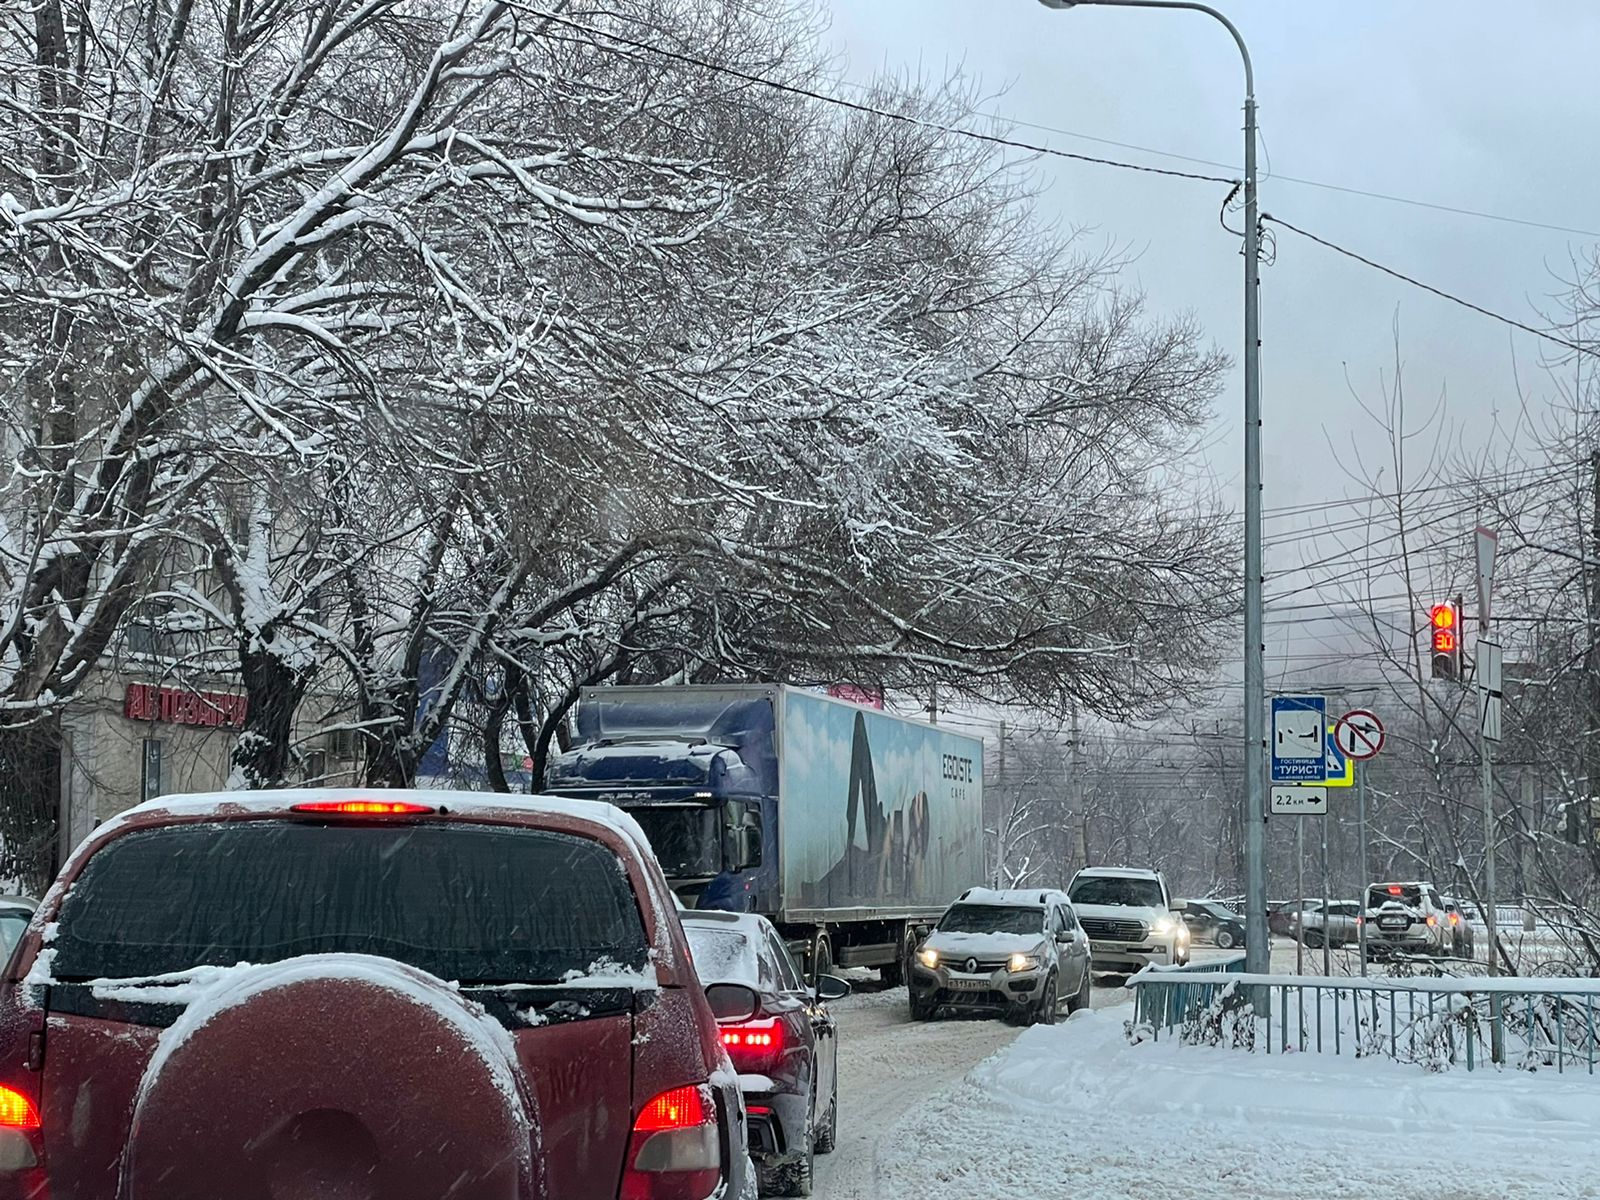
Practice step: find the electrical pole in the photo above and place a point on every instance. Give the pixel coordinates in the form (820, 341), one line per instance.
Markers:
(1257, 947)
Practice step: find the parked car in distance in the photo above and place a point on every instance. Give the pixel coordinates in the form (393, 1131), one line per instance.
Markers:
(15, 913)
(1021, 953)
(1407, 917)
(273, 967)
(1339, 925)
(1212, 921)
(1129, 917)
(786, 1053)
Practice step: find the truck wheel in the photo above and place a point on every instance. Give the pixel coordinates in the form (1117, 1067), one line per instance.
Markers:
(900, 972)
(1225, 938)
(821, 957)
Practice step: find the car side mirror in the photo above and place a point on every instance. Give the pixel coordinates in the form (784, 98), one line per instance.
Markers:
(831, 987)
(732, 1001)
(1064, 937)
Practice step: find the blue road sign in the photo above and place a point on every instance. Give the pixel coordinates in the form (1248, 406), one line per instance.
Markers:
(1336, 760)
(1299, 739)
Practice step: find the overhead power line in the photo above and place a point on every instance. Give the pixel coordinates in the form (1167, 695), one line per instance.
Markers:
(1325, 185)
(869, 109)
(633, 44)
(1577, 347)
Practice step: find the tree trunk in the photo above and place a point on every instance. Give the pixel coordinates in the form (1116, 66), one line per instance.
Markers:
(264, 753)
(30, 803)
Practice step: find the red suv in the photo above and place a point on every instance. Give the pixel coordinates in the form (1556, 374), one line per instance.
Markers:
(340, 996)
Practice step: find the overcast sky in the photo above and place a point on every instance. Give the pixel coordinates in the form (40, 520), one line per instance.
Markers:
(1463, 103)
(1466, 103)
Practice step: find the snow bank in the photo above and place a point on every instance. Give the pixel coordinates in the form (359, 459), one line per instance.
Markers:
(1074, 1110)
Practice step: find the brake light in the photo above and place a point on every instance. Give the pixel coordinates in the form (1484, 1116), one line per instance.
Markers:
(753, 1044)
(1455, 918)
(16, 1110)
(1394, 889)
(362, 808)
(674, 1153)
(1432, 920)
(681, 1108)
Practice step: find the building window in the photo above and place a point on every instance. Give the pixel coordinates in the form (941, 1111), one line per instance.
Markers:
(316, 767)
(150, 774)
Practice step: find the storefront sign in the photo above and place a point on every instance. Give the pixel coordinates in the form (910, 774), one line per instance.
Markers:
(179, 706)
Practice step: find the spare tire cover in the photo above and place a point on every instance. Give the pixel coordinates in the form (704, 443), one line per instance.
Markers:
(332, 1077)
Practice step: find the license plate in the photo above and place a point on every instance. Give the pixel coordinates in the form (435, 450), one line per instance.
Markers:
(969, 985)
(1392, 922)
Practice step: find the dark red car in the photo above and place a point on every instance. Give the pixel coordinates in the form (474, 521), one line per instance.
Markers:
(448, 997)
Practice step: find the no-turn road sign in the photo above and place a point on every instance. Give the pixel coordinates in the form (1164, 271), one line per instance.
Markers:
(1359, 734)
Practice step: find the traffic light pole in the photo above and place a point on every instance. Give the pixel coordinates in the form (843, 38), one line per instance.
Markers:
(1491, 923)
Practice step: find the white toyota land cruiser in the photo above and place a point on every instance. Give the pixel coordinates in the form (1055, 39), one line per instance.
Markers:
(1127, 913)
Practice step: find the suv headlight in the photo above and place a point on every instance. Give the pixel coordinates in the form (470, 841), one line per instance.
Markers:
(1023, 962)
(1164, 927)
(928, 958)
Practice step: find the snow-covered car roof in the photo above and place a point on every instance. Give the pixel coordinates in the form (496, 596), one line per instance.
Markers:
(1117, 873)
(1011, 897)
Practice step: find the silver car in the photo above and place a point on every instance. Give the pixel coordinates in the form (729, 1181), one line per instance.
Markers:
(1020, 953)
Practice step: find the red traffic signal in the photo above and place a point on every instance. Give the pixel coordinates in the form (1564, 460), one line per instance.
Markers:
(1446, 641)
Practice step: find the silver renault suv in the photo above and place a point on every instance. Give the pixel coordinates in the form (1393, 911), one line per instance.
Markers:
(1020, 953)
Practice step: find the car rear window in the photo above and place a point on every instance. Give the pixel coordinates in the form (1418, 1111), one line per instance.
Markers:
(470, 904)
(1383, 894)
(722, 955)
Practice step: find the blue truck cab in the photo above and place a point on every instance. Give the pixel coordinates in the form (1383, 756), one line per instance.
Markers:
(699, 775)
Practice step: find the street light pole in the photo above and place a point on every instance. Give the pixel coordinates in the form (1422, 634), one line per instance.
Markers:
(1257, 951)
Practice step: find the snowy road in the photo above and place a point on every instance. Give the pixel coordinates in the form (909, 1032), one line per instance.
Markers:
(977, 1110)
(888, 1066)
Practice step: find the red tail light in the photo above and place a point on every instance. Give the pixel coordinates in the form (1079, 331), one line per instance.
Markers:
(753, 1043)
(1433, 920)
(1455, 918)
(21, 1145)
(1394, 890)
(362, 808)
(681, 1108)
(674, 1153)
(16, 1110)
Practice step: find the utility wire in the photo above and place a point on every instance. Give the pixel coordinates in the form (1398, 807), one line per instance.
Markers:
(871, 110)
(1388, 197)
(1035, 148)
(1577, 347)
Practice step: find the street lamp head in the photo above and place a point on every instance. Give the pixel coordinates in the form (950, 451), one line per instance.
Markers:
(1060, 3)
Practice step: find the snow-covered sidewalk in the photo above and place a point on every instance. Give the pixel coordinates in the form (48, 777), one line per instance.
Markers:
(1075, 1111)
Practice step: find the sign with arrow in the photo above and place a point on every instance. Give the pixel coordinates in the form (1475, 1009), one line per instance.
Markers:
(1359, 734)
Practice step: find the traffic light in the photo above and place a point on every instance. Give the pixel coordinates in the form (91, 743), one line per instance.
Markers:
(1445, 622)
